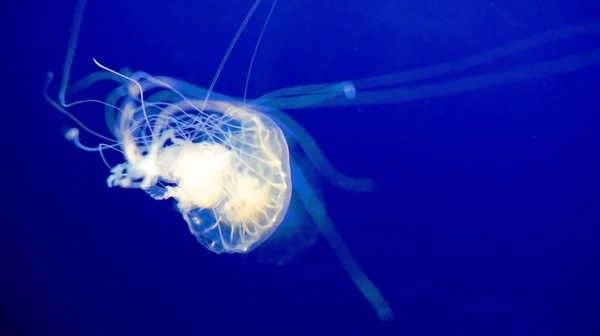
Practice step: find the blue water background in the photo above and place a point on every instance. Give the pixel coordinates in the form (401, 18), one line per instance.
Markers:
(484, 221)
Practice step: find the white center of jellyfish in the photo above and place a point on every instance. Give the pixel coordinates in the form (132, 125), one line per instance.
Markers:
(199, 170)
(247, 199)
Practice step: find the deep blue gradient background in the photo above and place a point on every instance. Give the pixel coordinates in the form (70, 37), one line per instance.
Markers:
(484, 222)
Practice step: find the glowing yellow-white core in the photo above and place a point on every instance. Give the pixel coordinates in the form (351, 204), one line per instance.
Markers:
(236, 166)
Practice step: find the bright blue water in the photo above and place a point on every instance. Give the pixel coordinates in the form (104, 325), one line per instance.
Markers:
(485, 217)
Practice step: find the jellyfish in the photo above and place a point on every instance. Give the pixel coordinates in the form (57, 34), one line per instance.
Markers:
(225, 162)
(226, 167)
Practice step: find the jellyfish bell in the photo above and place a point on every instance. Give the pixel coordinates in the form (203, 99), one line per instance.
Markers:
(254, 188)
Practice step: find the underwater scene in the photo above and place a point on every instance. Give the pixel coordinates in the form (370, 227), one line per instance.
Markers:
(302, 167)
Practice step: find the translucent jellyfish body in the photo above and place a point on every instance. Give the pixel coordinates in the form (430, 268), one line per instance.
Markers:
(224, 162)
(226, 167)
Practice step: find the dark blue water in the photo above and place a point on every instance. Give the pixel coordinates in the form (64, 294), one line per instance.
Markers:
(484, 221)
